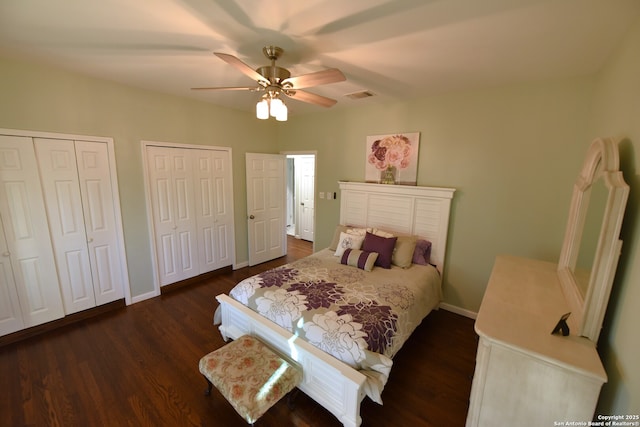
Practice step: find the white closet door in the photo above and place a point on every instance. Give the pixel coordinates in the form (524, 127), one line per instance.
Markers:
(100, 220)
(171, 187)
(10, 313)
(214, 213)
(223, 205)
(27, 232)
(59, 176)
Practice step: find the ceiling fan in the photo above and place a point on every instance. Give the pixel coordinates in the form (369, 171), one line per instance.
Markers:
(276, 81)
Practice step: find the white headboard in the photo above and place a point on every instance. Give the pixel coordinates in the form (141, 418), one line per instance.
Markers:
(420, 211)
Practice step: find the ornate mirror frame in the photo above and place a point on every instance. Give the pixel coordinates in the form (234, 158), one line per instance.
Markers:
(588, 308)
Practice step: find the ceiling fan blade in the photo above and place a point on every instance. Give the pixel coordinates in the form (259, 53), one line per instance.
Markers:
(311, 98)
(332, 75)
(250, 88)
(240, 66)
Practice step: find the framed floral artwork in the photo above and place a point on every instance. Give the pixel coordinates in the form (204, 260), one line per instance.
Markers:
(393, 158)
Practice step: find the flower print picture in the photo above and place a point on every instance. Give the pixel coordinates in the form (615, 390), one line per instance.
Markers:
(392, 159)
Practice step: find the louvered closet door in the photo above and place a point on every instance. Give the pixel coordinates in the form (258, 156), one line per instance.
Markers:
(213, 208)
(57, 161)
(27, 233)
(171, 190)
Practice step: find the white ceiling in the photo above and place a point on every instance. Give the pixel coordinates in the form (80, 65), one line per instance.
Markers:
(395, 49)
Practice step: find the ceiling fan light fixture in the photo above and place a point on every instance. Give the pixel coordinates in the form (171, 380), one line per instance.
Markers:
(270, 105)
(262, 109)
(276, 106)
(276, 81)
(283, 113)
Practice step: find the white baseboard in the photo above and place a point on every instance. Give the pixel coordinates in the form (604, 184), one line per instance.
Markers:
(457, 310)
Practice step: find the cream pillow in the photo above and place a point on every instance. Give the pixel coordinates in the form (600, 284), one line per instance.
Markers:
(382, 233)
(347, 241)
(403, 251)
(358, 231)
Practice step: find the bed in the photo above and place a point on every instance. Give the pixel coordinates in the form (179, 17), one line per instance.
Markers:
(319, 310)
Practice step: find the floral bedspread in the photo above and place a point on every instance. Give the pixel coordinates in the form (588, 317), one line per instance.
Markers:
(361, 318)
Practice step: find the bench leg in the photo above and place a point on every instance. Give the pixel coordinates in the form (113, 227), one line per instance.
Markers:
(207, 392)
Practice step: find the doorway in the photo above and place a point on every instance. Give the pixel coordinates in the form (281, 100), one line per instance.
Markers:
(300, 200)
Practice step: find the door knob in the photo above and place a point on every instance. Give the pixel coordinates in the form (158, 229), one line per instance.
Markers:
(252, 217)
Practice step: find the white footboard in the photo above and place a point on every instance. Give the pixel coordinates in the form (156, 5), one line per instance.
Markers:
(330, 382)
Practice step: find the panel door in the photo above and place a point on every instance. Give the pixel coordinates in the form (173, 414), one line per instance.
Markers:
(171, 191)
(266, 207)
(59, 176)
(10, 312)
(94, 175)
(27, 233)
(305, 183)
(214, 210)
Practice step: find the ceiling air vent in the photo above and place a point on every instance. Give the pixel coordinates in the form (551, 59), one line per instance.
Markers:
(359, 95)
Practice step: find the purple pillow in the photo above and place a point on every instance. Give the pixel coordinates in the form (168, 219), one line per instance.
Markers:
(382, 245)
(422, 252)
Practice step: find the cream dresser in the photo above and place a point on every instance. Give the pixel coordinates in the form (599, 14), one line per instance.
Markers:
(525, 375)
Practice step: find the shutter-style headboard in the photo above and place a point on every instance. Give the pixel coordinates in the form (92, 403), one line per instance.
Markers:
(420, 211)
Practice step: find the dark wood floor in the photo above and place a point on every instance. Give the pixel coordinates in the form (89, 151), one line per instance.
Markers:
(138, 366)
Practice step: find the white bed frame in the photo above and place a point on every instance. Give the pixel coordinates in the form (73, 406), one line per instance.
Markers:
(421, 211)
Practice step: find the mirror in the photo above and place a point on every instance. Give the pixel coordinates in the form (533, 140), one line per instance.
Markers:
(596, 200)
(591, 246)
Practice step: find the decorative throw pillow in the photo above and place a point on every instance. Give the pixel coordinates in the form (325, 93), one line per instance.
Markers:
(336, 236)
(403, 251)
(357, 258)
(348, 241)
(345, 229)
(422, 252)
(382, 245)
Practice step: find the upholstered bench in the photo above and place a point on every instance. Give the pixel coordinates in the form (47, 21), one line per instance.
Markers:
(250, 375)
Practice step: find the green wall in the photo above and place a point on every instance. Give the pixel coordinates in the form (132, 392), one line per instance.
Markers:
(512, 153)
(616, 112)
(51, 100)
